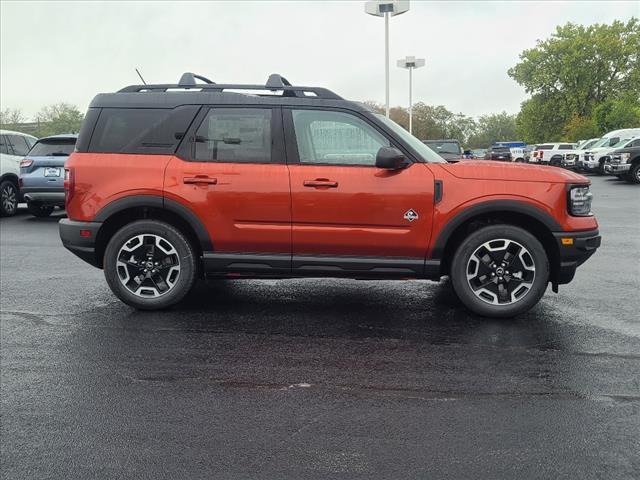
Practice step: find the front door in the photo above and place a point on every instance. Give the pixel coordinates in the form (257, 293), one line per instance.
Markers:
(231, 173)
(346, 213)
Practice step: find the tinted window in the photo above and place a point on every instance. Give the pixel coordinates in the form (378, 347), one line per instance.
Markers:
(336, 138)
(140, 130)
(444, 147)
(53, 147)
(635, 143)
(545, 147)
(18, 144)
(234, 135)
(565, 146)
(4, 147)
(614, 140)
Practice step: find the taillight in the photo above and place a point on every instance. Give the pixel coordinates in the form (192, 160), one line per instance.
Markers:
(69, 185)
(26, 162)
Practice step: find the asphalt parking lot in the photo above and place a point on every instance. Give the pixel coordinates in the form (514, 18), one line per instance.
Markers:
(319, 378)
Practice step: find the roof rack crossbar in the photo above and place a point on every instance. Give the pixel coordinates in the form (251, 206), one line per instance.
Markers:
(318, 92)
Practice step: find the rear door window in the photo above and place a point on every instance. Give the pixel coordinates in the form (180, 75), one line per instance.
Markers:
(545, 147)
(141, 130)
(234, 135)
(565, 146)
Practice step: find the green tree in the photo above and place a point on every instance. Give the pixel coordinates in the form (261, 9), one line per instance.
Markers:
(579, 128)
(497, 127)
(572, 72)
(623, 112)
(59, 118)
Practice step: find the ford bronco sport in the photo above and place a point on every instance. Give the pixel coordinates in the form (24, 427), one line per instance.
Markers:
(174, 182)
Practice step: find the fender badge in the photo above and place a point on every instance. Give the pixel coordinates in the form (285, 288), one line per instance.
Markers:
(411, 215)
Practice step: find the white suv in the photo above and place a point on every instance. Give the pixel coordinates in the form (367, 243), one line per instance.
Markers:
(13, 147)
(553, 154)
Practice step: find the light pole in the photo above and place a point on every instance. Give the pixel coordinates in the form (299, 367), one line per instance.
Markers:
(386, 8)
(410, 63)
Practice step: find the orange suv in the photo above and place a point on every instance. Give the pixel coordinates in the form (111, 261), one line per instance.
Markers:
(174, 182)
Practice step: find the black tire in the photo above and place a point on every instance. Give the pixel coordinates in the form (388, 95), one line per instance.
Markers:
(185, 256)
(9, 196)
(634, 174)
(462, 262)
(38, 210)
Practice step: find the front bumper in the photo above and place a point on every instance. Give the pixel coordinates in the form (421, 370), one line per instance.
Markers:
(80, 239)
(617, 168)
(575, 248)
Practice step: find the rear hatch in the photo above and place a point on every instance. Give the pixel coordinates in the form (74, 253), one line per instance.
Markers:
(44, 164)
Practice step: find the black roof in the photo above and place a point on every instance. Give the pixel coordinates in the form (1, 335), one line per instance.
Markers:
(277, 91)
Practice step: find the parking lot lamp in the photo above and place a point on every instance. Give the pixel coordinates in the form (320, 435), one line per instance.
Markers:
(410, 63)
(386, 9)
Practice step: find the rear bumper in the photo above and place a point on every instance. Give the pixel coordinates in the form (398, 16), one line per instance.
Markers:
(45, 196)
(575, 248)
(80, 239)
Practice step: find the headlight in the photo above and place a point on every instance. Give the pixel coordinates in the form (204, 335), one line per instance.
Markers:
(624, 158)
(579, 201)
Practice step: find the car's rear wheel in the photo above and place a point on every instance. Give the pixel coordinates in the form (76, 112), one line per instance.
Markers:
(500, 271)
(149, 265)
(39, 210)
(9, 194)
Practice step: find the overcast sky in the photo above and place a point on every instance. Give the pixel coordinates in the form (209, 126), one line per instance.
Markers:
(54, 52)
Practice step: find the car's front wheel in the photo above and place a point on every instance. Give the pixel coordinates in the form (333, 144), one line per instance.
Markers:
(634, 173)
(149, 265)
(500, 271)
(9, 194)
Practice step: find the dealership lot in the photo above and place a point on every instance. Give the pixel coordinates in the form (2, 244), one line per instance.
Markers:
(319, 378)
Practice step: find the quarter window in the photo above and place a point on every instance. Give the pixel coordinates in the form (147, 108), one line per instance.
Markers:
(141, 130)
(19, 144)
(234, 135)
(336, 138)
(4, 147)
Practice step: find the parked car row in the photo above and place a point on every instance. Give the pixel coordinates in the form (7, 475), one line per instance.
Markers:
(32, 171)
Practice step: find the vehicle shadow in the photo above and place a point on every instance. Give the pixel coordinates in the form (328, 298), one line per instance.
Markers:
(418, 311)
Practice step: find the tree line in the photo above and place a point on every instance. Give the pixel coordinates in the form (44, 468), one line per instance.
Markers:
(583, 81)
(50, 120)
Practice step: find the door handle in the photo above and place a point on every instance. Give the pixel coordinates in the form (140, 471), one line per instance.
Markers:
(200, 180)
(320, 182)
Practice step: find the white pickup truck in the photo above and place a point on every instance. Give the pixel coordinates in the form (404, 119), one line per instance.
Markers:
(595, 157)
(553, 154)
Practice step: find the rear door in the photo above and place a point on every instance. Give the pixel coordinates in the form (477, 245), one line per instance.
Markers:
(231, 172)
(349, 216)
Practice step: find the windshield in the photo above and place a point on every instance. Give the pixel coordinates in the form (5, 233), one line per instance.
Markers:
(603, 142)
(589, 144)
(53, 148)
(621, 143)
(444, 147)
(425, 152)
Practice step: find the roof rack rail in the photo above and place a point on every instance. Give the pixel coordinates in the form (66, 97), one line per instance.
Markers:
(274, 83)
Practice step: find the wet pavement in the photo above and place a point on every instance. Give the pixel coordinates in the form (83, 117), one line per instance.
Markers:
(319, 378)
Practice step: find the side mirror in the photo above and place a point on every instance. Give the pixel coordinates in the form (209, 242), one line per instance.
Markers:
(390, 158)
